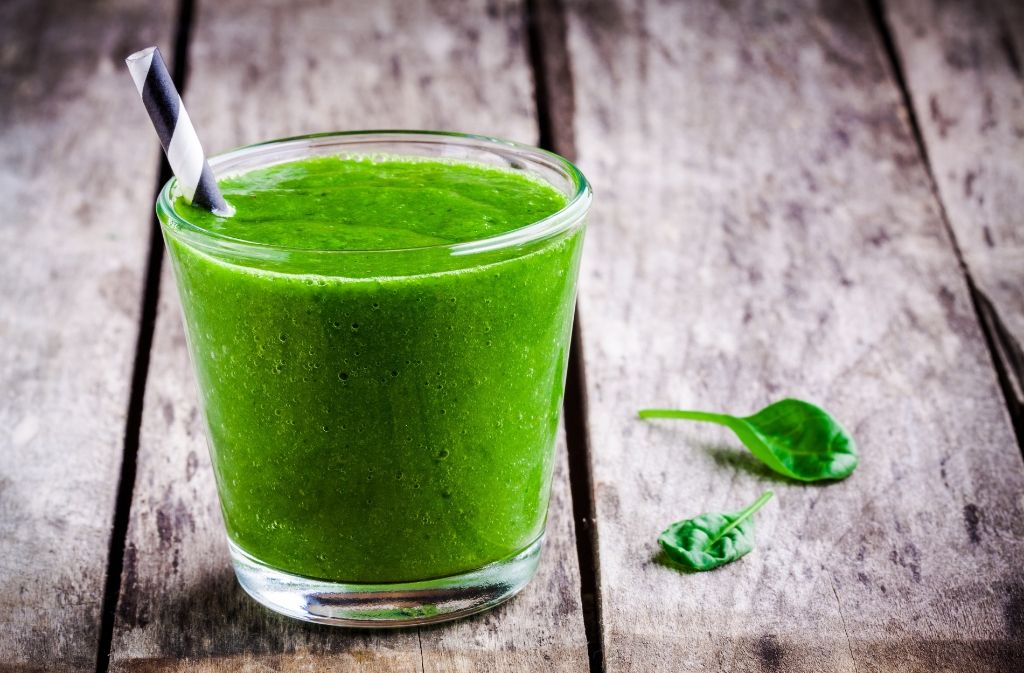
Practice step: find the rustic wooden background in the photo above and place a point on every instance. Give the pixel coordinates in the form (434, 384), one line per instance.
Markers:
(822, 199)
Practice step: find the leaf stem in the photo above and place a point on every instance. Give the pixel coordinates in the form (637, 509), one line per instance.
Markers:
(740, 518)
(721, 419)
(758, 504)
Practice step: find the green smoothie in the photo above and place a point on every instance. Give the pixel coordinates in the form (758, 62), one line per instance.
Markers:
(380, 408)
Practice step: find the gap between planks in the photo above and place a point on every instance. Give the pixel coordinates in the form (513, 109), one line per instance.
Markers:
(554, 102)
(140, 371)
(1004, 352)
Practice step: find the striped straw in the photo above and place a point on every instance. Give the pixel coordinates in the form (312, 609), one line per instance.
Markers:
(177, 135)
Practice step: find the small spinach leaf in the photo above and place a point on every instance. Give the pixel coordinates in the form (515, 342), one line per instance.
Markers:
(792, 437)
(711, 540)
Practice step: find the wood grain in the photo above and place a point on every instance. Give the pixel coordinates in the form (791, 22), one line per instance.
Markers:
(962, 64)
(263, 70)
(764, 227)
(75, 210)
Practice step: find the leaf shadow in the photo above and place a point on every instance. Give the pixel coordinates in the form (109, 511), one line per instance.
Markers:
(662, 559)
(741, 459)
(725, 455)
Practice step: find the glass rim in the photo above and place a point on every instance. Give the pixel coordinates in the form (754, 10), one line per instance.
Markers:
(573, 211)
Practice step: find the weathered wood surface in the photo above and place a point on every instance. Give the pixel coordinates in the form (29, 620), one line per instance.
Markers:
(261, 70)
(75, 209)
(764, 227)
(963, 69)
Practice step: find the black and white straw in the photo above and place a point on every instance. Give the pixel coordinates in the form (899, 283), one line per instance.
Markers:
(173, 126)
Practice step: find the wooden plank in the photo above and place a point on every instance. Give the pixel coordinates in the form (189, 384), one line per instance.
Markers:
(75, 205)
(764, 228)
(263, 70)
(963, 70)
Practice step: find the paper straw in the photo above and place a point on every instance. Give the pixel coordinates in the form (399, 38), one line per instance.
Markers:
(173, 126)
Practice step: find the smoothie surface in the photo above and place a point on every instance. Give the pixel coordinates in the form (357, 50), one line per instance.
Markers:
(379, 203)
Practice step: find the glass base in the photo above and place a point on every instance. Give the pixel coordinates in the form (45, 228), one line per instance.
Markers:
(385, 605)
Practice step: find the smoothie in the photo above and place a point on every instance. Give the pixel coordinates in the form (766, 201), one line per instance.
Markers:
(379, 409)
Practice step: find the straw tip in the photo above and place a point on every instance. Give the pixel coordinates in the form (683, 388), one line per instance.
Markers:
(140, 54)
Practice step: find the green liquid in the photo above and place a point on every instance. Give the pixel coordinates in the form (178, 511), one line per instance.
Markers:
(378, 416)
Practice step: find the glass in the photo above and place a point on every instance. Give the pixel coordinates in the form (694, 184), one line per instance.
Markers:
(382, 422)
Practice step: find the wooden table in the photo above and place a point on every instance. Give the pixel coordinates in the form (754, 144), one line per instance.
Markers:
(813, 199)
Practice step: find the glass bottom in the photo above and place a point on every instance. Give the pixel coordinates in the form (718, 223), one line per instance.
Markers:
(385, 605)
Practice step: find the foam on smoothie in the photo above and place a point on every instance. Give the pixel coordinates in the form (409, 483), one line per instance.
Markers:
(375, 203)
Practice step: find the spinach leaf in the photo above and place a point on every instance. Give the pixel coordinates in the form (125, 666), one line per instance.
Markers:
(792, 437)
(710, 540)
